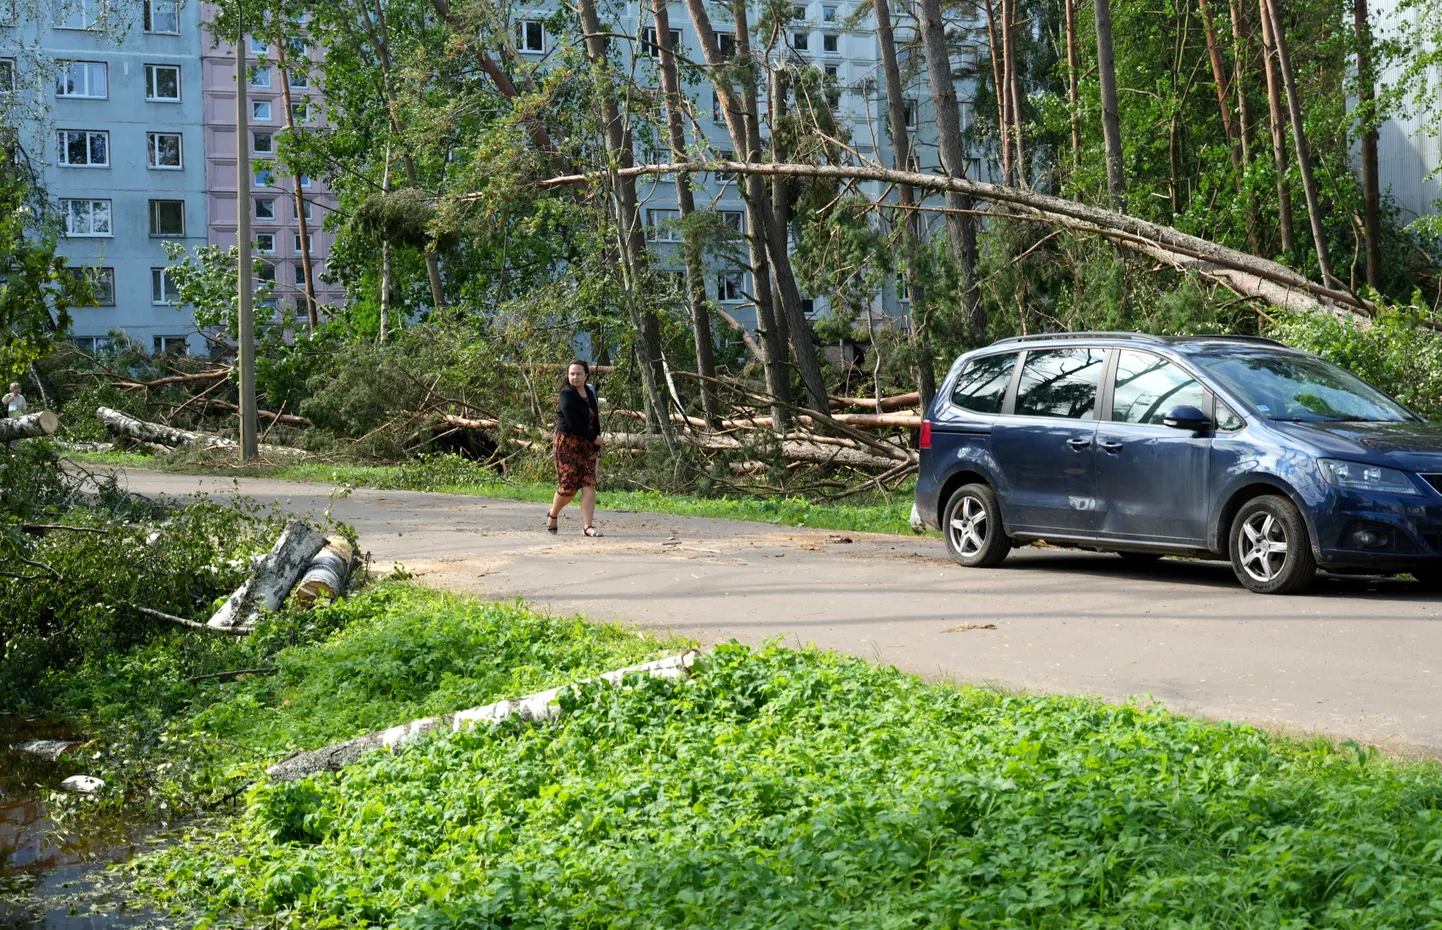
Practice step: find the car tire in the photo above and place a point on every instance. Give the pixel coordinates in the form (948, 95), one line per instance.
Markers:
(972, 527)
(1271, 550)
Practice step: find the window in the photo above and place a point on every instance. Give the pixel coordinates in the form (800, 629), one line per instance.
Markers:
(79, 14)
(982, 386)
(162, 16)
(162, 149)
(661, 225)
(295, 242)
(830, 43)
(649, 47)
(735, 219)
(1060, 383)
(716, 116)
(265, 208)
(305, 180)
(828, 14)
(1227, 419)
(92, 344)
(305, 208)
(799, 40)
(259, 48)
(299, 275)
(167, 217)
(162, 289)
(7, 12)
(798, 13)
(101, 281)
(169, 345)
(300, 110)
(162, 82)
(265, 273)
(728, 287)
(530, 35)
(908, 107)
(297, 79)
(725, 155)
(82, 79)
(262, 143)
(7, 74)
(808, 306)
(265, 243)
(726, 43)
(263, 176)
(260, 110)
(86, 218)
(259, 77)
(1147, 387)
(83, 148)
(831, 71)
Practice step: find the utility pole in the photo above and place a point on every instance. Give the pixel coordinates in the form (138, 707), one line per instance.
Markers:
(248, 444)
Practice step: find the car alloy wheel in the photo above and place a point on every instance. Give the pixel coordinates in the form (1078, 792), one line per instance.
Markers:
(975, 536)
(1271, 553)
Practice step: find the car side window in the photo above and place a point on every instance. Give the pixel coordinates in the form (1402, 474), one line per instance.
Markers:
(1227, 419)
(982, 386)
(1060, 383)
(1147, 386)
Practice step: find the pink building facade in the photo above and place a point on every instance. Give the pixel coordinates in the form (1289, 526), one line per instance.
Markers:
(275, 224)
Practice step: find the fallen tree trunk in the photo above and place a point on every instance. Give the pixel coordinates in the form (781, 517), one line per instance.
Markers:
(143, 431)
(270, 580)
(856, 420)
(327, 573)
(40, 423)
(451, 419)
(796, 450)
(195, 378)
(539, 706)
(887, 404)
(285, 419)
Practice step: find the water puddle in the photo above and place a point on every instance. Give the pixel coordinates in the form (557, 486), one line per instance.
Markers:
(48, 869)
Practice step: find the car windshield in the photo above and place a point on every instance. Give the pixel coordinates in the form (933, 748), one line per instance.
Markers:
(1303, 389)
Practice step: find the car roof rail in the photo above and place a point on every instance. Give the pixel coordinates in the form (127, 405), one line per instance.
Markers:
(1259, 340)
(1042, 337)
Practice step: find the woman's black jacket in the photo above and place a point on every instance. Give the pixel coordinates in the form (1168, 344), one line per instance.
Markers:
(573, 414)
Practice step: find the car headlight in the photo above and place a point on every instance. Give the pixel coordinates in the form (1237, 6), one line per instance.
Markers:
(1359, 477)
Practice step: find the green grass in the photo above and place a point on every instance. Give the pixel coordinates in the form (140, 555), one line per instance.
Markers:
(798, 789)
(454, 476)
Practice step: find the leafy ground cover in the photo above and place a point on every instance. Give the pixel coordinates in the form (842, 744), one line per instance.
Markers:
(451, 475)
(797, 789)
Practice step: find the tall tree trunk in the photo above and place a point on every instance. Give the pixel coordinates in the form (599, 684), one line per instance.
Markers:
(1014, 90)
(1279, 135)
(910, 219)
(1111, 121)
(386, 261)
(312, 314)
(776, 91)
(1367, 122)
(1299, 143)
(787, 296)
(1001, 81)
(1219, 77)
(1246, 125)
(960, 223)
(753, 193)
(1073, 91)
(686, 200)
(630, 236)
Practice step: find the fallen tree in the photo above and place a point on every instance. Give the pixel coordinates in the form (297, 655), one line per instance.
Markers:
(538, 706)
(327, 573)
(814, 451)
(122, 424)
(271, 579)
(30, 426)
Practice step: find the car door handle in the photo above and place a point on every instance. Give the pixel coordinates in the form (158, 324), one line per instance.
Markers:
(1079, 444)
(1110, 446)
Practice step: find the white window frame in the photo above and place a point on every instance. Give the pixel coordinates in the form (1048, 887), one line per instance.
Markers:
(300, 273)
(161, 345)
(295, 242)
(260, 243)
(266, 274)
(524, 36)
(260, 77)
(8, 13)
(801, 40)
(831, 69)
(306, 209)
(86, 66)
(735, 219)
(149, 17)
(830, 14)
(260, 106)
(159, 277)
(95, 275)
(91, 12)
(302, 114)
(730, 281)
(835, 38)
(268, 170)
(722, 40)
(649, 46)
(255, 148)
(305, 180)
(259, 47)
(260, 200)
(909, 106)
(154, 219)
(91, 344)
(152, 151)
(7, 66)
(91, 202)
(298, 80)
(152, 83)
(661, 225)
(64, 143)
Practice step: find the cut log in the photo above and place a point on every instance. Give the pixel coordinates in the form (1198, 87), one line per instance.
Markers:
(125, 425)
(538, 706)
(854, 420)
(327, 573)
(40, 423)
(451, 419)
(899, 402)
(270, 580)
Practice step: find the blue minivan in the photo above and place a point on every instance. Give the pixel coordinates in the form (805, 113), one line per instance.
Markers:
(1219, 447)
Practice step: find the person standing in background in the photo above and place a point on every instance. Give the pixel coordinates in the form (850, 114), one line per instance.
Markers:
(15, 403)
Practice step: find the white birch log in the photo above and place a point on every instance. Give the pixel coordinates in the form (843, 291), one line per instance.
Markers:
(40, 423)
(801, 450)
(270, 580)
(327, 573)
(538, 706)
(143, 431)
(49, 749)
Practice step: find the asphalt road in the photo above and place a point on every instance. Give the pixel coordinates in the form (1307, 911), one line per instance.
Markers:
(1351, 658)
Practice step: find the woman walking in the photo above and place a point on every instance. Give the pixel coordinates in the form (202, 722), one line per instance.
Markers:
(577, 446)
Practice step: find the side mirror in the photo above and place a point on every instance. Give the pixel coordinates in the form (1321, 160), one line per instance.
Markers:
(1186, 417)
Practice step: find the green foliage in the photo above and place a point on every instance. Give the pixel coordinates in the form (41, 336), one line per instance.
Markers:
(800, 789)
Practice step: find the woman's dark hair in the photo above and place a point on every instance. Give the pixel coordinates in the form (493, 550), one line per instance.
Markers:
(566, 375)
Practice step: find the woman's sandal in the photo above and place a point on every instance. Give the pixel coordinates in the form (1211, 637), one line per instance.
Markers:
(551, 526)
(591, 531)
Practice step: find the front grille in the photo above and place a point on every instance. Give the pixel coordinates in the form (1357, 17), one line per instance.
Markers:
(1435, 481)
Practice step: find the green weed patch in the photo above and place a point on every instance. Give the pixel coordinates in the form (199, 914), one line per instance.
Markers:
(798, 789)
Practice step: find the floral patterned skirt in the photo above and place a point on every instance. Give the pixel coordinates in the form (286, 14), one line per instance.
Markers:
(575, 462)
